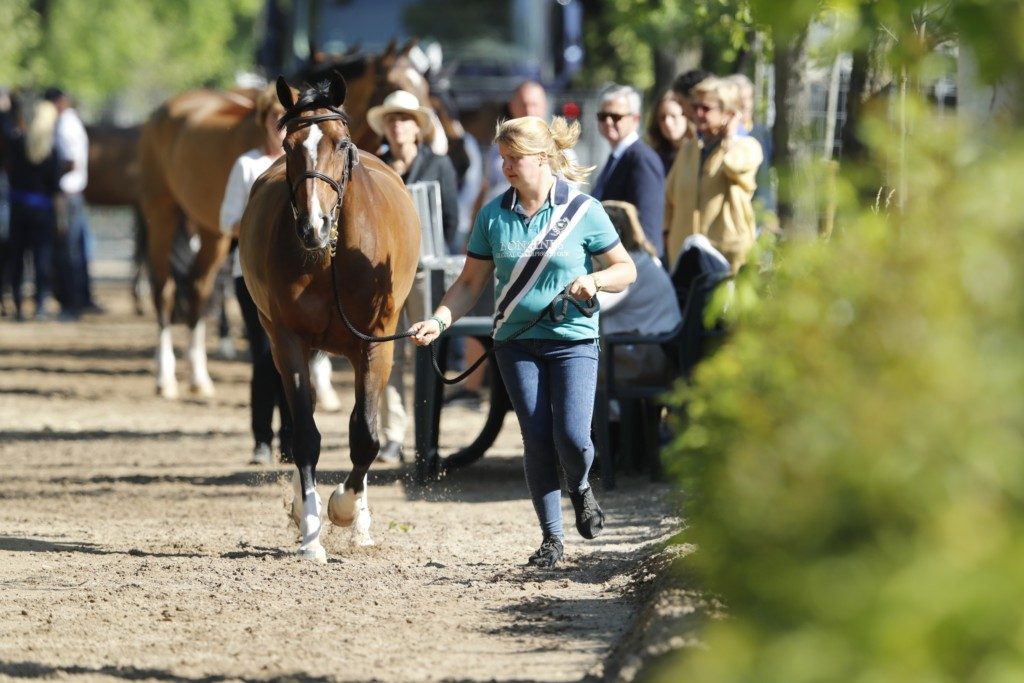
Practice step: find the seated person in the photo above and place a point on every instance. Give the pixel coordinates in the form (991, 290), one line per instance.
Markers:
(648, 306)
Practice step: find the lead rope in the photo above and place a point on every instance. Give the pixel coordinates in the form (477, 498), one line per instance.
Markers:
(588, 309)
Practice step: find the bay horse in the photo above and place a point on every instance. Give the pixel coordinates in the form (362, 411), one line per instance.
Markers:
(186, 151)
(329, 227)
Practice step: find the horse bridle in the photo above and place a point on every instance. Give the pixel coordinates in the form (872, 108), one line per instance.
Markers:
(347, 147)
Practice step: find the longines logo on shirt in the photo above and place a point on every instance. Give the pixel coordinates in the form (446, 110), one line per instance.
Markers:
(516, 248)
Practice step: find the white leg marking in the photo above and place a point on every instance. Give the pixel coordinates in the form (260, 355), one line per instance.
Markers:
(201, 382)
(310, 547)
(361, 529)
(306, 516)
(166, 383)
(326, 397)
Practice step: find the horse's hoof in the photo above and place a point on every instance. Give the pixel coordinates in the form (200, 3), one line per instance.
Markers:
(313, 553)
(363, 540)
(328, 402)
(341, 508)
(202, 389)
(168, 391)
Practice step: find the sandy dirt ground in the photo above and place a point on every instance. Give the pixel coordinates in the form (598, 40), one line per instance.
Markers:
(135, 541)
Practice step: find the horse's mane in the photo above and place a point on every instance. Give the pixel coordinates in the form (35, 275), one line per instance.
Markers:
(313, 97)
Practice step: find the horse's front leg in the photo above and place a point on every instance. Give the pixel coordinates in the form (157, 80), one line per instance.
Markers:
(213, 247)
(349, 505)
(291, 356)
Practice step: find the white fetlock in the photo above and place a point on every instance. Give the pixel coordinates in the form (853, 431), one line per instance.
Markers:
(320, 372)
(327, 400)
(167, 388)
(201, 383)
(309, 527)
(166, 382)
(361, 528)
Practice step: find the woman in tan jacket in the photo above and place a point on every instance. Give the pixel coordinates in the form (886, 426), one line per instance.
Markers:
(709, 188)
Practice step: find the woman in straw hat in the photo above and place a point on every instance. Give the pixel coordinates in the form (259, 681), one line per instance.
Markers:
(539, 239)
(405, 125)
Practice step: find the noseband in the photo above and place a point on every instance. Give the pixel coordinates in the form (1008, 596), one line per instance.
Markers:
(347, 147)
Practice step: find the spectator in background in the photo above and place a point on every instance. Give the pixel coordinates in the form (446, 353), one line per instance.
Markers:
(667, 127)
(683, 86)
(648, 306)
(633, 172)
(765, 201)
(74, 243)
(7, 115)
(265, 389)
(404, 125)
(710, 186)
(34, 169)
(529, 99)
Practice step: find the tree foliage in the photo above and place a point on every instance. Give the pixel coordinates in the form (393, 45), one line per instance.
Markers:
(140, 50)
(622, 36)
(852, 462)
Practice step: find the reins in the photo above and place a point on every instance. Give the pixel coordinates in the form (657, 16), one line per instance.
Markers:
(556, 310)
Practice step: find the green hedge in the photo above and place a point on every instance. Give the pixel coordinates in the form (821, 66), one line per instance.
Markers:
(854, 466)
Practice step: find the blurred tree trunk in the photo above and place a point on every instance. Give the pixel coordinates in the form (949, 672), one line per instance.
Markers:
(791, 112)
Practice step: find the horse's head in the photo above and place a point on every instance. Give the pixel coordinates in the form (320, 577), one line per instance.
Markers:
(319, 156)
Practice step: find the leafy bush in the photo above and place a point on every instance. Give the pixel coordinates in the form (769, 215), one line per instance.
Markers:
(853, 462)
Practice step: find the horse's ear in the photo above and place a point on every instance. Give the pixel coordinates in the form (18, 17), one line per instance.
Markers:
(338, 88)
(284, 93)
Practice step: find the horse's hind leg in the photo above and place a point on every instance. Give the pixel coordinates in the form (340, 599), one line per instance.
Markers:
(348, 505)
(161, 215)
(291, 356)
(213, 247)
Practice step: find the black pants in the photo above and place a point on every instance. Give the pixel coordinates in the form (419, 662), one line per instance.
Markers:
(265, 389)
(32, 230)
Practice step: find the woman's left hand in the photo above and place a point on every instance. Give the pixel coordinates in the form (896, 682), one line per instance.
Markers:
(583, 288)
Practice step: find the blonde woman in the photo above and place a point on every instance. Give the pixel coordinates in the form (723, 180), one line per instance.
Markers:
(540, 238)
(34, 170)
(710, 187)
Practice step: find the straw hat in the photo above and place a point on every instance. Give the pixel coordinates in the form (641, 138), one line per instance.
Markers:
(400, 101)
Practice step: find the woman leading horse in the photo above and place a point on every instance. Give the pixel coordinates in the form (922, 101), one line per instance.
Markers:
(328, 227)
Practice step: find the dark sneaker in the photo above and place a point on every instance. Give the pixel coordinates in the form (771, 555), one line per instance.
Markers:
(589, 518)
(549, 553)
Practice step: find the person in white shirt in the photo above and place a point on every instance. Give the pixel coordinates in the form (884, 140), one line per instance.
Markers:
(73, 286)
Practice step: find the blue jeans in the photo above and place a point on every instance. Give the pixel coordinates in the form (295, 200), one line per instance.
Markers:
(551, 385)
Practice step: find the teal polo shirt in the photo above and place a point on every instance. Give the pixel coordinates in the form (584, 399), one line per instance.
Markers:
(503, 234)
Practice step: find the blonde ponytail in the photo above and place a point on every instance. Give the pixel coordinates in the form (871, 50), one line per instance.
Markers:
(530, 135)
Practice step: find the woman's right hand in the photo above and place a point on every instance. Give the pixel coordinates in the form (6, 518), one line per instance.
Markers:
(425, 331)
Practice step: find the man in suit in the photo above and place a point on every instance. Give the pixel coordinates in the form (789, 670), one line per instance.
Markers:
(633, 172)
